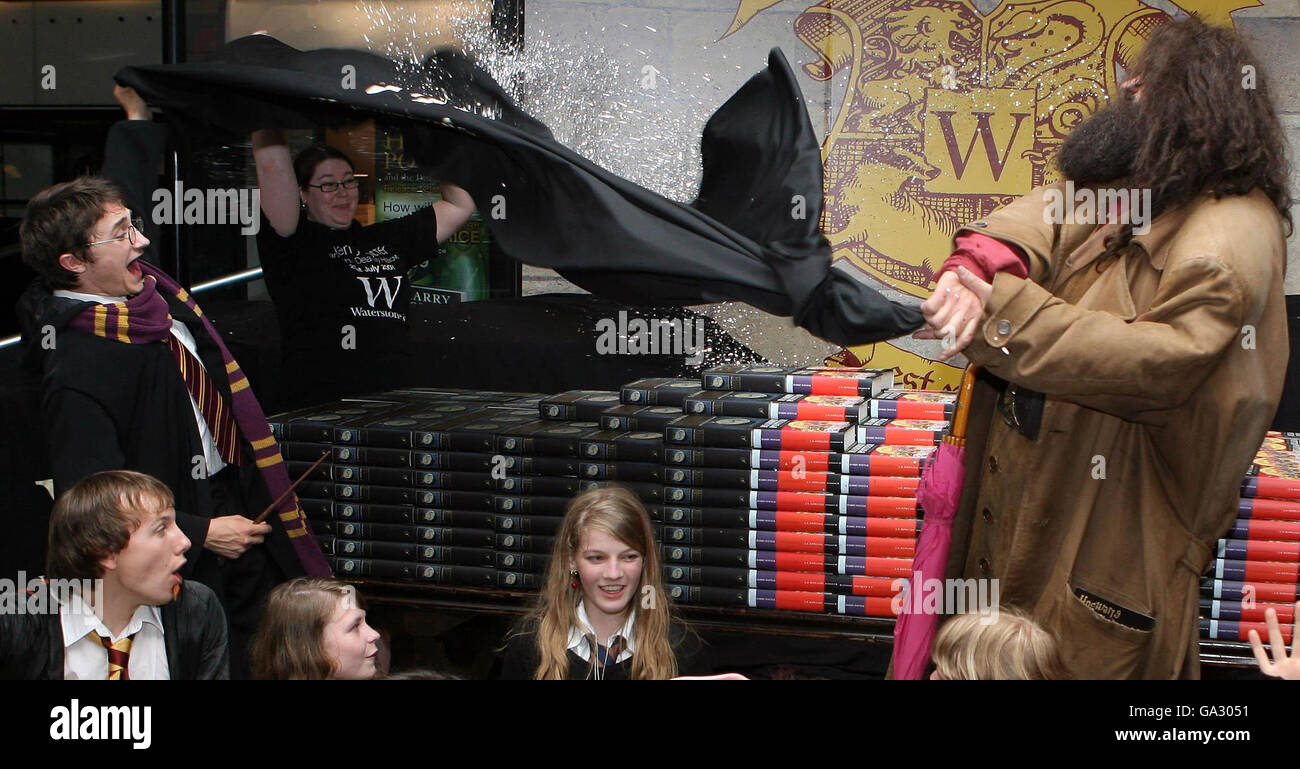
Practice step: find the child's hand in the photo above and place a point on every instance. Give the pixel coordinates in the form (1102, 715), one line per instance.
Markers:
(1282, 666)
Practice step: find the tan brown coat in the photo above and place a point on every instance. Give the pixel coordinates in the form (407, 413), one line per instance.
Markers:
(1166, 367)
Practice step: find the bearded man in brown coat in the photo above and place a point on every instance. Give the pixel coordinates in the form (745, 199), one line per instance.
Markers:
(1131, 363)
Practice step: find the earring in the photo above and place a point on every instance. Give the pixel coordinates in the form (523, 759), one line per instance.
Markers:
(573, 582)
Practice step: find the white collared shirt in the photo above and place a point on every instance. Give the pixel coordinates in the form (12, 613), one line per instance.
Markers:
(580, 637)
(211, 455)
(86, 659)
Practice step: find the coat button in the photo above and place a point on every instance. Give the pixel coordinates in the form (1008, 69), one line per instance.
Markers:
(984, 566)
(1004, 327)
(988, 515)
(993, 464)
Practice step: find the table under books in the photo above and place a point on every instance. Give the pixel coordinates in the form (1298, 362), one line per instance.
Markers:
(783, 499)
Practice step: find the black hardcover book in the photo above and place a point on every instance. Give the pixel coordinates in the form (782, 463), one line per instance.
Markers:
(708, 596)
(480, 433)
(712, 517)
(383, 532)
(322, 472)
(705, 497)
(748, 377)
(529, 563)
(351, 568)
(709, 556)
(419, 516)
(578, 405)
(651, 419)
(545, 438)
(455, 535)
(728, 403)
(318, 509)
(724, 432)
(545, 525)
(519, 505)
(384, 495)
(707, 476)
(305, 452)
(316, 424)
(392, 551)
(537, 485)
(505, 464)
(614, 446)
(659, 391)
(364, 455)
(321, 527)
(627, 472)
(714, 576)
(709, 456)
(457, 500)
(523, 543)
(375, 476)
(406, 428)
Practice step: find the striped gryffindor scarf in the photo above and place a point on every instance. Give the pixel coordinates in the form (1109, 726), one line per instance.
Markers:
(144, 319)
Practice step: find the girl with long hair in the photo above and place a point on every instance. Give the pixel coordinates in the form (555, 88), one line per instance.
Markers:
(603, 613)
(314, 629)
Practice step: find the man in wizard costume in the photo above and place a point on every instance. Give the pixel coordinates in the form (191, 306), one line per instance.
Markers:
(134, 376)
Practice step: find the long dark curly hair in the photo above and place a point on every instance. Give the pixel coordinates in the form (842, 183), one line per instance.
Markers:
(1205, 129)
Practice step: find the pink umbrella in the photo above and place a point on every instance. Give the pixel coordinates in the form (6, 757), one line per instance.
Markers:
(939, 495)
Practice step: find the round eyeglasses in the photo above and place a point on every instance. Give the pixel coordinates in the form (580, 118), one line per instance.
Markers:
(137, 224)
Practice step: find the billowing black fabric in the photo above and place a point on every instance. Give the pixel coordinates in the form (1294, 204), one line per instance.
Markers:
(740, 240)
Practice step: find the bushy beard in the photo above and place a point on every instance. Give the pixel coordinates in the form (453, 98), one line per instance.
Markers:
(1103, 147)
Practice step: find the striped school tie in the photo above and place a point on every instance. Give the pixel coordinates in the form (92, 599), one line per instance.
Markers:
(212, 406)
(119, 656)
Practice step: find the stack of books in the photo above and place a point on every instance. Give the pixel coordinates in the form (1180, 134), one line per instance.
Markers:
(795, 489)
(428, 485)
(1257, 566)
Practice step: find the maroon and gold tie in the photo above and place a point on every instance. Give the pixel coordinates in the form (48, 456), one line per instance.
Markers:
(211, 405)
(119, 656)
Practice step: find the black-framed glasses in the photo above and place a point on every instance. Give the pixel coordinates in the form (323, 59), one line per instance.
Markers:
(328, 187)
(135, 228)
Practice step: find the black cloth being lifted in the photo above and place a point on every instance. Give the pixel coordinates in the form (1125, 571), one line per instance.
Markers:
(742, 239)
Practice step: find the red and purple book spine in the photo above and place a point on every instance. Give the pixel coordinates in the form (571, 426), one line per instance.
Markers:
(1255, 571)
(911, 404)
(903, 432)
(849, 565)
(834, 483)
(824, 523)
(1246, 611)
(806, 436)
(841, 504)
(1229, 630)
(839, 584)
(1258, 550)
(1268, 592)
(843, 463)
(823, 543)
(1278, 509)
(1268, 486)
(826, 603)
(1265, 529)
(862, 384)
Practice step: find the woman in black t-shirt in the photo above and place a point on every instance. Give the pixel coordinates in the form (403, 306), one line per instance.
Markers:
(340, 290)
